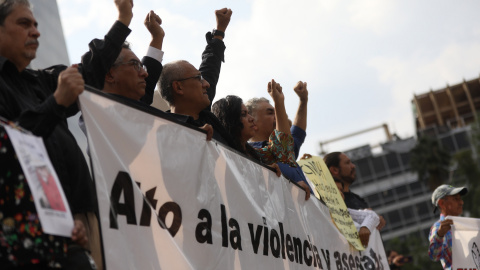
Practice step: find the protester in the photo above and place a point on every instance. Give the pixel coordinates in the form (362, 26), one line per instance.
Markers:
(127, 77)
(343, 169)
(365, 220)
(449, 200)
(264, 116)
(40, 101)
(189, 91)
(234, 116)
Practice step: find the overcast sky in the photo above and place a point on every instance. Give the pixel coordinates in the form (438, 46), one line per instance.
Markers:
(363, 59)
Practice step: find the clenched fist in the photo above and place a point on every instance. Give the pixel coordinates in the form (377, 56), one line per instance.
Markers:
(223, 18)
(301, 90)
(70, 85)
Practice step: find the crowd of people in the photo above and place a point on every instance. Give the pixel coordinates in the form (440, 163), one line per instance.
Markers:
(41, 100)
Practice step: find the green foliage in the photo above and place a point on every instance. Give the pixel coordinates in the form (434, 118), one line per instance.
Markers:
(475, 135)
(468, 173)
(431, 161)
(472, 200)
(467, 170)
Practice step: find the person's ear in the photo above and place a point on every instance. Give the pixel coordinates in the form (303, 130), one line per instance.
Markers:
(441, 203)
(177, 87)
(333, 170)
(109, 78)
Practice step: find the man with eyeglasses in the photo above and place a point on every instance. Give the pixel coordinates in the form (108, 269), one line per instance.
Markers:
(40, 101)
(189, 91)
(127, 77)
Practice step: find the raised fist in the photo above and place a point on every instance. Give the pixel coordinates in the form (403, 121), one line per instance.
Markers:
(125, 13)
(223, 18)
(152, 23)
(275, 91)
(301, 90)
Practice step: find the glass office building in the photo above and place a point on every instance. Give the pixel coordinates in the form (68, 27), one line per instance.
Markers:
(386, 180)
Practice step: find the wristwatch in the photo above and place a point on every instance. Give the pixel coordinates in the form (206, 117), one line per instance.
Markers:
(216, 32)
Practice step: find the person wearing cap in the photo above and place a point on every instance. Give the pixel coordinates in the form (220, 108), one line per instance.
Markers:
(449, 200)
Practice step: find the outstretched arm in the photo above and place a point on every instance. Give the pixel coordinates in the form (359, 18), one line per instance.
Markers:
(275, 91)
(153, 24)
(153, 59)
(280, 142)
(213, 55)
(223, 19)
(299, 126)
(103, 52)
(301, 116)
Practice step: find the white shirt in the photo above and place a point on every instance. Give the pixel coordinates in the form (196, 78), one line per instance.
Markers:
(364, 218)
(155, 53)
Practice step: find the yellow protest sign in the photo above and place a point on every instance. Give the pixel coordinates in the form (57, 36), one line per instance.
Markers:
(317, 172)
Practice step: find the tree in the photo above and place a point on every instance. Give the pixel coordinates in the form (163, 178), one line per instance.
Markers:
(431, 161)
(475, 136)
(467, 171)
(467, 174)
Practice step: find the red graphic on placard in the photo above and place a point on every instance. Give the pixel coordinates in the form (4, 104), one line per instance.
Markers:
(50, 189)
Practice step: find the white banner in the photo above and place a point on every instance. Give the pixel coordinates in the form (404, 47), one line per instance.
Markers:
(465, 243)
(209, 208)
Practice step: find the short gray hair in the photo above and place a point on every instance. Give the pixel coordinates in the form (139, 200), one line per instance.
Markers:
(6, 7)
(171, 72)
(252, 105)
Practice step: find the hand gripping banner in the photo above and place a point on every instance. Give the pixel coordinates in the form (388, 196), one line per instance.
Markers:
(169, 199)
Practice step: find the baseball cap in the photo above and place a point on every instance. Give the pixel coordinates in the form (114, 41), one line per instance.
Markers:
(446, 190)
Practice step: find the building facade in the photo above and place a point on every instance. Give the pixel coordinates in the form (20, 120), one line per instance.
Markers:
(387, 182)
(52, 49)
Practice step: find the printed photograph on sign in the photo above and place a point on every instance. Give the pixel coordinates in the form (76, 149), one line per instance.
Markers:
(48, 190)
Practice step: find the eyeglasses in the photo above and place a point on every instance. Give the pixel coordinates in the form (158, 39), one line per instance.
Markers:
(137, 65)
(199, 77)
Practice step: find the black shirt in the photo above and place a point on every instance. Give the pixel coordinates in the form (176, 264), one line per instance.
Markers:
(26, 97)
(353, 201)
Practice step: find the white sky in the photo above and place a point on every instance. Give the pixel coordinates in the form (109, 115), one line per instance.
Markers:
(363, 59)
